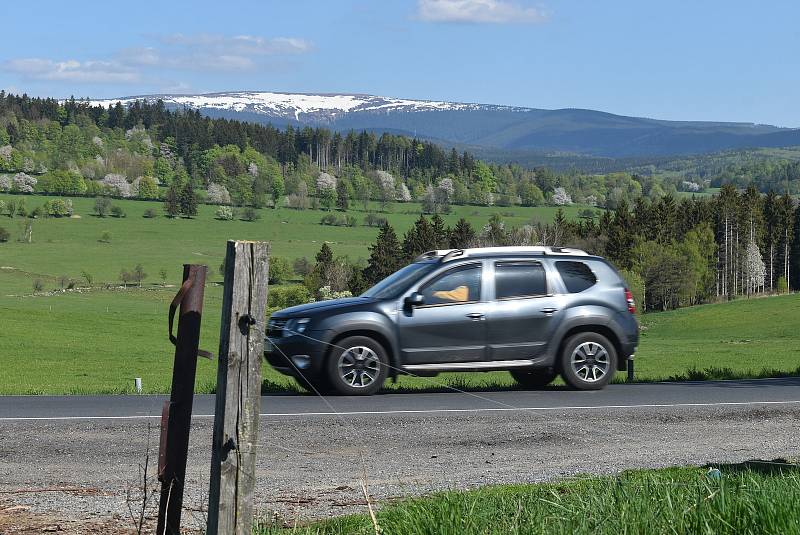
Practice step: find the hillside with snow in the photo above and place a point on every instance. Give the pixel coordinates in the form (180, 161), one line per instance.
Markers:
(490, 126)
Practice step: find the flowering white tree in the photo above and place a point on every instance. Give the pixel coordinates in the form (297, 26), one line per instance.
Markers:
(117, 183)
(5, 183)
(325, 182)
(561, 197)
(5, 152)
(754, 268)
(403, 193)
(252, 169)
(218, 194)
(24, 183)
(387, 187)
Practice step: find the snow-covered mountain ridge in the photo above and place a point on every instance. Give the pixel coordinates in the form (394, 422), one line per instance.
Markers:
(296, 105)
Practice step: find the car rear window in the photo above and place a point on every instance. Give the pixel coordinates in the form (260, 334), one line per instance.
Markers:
(577, 276)
(519, 279)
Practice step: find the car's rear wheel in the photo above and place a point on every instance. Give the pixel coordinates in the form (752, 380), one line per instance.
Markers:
(537, 378)
(588, 361)
(358, 366)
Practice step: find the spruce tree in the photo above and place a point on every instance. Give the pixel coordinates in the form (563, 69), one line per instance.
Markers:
(384, 255)
(324, 257)
(188, 200)
(172, 204)
(440, 233)
(342, 197)
(419, 239)
(463, 235)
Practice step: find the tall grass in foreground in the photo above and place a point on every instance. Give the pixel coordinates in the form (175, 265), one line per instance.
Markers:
(686, 500)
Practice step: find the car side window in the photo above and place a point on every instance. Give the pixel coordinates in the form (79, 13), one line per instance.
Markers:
(577, 276)
(519, 279)
(458, 285)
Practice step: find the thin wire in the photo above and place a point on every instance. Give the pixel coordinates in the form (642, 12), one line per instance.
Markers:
(428, 379)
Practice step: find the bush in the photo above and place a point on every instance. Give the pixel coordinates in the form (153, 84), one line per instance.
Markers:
(250, 214)
(279, 270)
(149, 213)
(117, 211)
(288, 296)
(328, 219)
(4, 235)
(38, 212)
(374, 220)
(101, 206)
(782, 286)
(105, 237)
(302, 266)
(225, 213)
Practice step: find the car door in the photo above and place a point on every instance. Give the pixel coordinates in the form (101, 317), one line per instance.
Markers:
(523, 310)
(449, 325)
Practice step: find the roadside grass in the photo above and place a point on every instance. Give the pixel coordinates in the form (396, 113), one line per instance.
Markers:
(97, 342)
(746, 498)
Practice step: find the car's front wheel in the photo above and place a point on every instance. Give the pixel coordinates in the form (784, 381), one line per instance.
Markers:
(358, 366)
(588, 361)
(534, 378)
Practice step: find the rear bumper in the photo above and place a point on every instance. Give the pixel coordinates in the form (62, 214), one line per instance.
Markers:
(287, 353)
(628, 337)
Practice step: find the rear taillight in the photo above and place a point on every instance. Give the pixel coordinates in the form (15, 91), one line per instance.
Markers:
(630, 301)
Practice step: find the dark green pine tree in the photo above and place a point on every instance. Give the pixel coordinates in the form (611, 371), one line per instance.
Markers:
(172, 204)
(188, 200)
(384, 256)
(419, 239)
(324, 258)
(441, 234)
(462, 235)
(342, 196)
(621, 238)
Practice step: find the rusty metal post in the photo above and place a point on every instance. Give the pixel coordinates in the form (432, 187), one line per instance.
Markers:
(175, 439)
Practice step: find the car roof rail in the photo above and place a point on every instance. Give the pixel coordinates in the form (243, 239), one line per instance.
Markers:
(445, 255)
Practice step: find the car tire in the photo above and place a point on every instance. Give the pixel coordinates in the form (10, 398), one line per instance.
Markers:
(357, 366)
(588, 361)
(536, 378)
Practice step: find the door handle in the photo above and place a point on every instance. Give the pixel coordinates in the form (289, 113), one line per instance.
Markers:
(549, 311)
(475, 316)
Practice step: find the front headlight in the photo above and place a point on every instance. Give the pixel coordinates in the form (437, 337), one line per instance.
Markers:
(297, 325)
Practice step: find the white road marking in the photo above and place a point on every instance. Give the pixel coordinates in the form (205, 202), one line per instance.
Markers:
(421, 411)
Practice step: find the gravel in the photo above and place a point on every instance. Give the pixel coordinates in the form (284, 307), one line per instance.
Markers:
(81, 473)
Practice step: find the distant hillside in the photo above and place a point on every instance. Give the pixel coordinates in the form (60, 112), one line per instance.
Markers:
(523, 131)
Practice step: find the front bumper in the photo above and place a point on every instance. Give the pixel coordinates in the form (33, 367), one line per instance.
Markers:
(279, 352)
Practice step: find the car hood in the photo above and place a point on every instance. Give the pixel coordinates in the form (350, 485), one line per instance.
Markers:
(319, 306)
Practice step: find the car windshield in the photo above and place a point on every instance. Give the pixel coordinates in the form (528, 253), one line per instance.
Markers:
(399, 281)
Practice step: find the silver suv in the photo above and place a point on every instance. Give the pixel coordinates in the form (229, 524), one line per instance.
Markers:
(535, 311)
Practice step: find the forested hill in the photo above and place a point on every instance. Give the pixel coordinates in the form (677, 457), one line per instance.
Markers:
(76, 148)
(490, 127)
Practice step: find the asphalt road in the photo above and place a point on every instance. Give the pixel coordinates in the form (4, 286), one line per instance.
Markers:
(77, 459)
(687, 394)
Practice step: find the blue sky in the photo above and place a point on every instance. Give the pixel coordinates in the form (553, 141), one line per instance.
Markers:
(696, 60)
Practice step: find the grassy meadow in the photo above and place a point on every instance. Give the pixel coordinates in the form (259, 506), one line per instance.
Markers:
(97, 340)
(748, 498)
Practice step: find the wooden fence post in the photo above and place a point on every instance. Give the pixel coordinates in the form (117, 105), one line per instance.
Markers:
(241, 346)
(178, 411)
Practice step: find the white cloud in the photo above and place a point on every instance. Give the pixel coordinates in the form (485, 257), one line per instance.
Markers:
(186, 52)
(72, 70)
(479, 11)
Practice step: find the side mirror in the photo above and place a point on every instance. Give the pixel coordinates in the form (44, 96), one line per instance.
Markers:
(414, 300)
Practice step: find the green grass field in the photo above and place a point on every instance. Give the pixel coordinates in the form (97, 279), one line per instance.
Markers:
(752, 498)
(98, 340)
